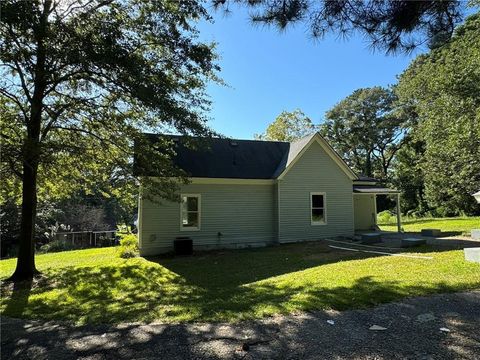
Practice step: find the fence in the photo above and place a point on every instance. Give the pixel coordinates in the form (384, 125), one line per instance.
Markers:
(85, 239)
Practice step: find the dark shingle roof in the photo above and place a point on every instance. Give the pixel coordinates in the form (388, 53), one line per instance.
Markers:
(294, 149)
(229, 158)
(364, 178)
(232, 158)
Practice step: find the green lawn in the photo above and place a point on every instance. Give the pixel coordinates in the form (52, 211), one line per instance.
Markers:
(95, 286)
(455, 226)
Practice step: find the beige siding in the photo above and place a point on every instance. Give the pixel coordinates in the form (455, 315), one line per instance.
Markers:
(243, 214)
(315, 171)
(364, 209)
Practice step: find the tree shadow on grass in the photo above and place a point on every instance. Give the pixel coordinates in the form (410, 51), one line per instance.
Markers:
(207, 287)
(232, 268)
(213, 287)
(18, 292)
(303, 337)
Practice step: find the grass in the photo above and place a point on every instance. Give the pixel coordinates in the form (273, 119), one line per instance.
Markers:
(453, 226)
(96, 286)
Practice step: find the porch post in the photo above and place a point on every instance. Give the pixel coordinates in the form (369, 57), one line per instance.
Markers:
(399, 220)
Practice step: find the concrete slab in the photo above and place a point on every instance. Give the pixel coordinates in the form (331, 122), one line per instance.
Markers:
(475, 234)
(371, 238)
(472, 254)
(431, 232)
(411, 242)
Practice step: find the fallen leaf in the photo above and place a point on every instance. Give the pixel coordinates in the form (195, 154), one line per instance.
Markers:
(377, 328)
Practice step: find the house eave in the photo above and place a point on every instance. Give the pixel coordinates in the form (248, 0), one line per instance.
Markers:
(225, 181)
(232, 181)
(375, 189)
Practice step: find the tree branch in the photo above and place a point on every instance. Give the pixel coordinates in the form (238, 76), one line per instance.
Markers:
(96, 136)
(17, 102)
(70, 9)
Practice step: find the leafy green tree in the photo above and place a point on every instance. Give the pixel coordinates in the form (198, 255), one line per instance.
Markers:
(408, 177)
(444, 88)
(81, 80)
(367, 130)
(390, 25)
(288, 126)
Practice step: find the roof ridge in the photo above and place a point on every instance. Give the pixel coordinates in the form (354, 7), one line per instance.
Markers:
(309, 136)
(220, 138)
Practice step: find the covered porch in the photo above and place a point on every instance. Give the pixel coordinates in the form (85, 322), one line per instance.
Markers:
(365, 205)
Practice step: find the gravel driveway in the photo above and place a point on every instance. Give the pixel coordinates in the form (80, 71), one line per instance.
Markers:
(412, 332)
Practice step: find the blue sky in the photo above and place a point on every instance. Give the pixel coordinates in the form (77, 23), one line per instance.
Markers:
(268, 71)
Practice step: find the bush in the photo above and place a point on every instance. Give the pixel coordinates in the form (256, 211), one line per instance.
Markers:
(128, 246)
(11, 252)
(56, 246)
(128, 252)
(386, 217)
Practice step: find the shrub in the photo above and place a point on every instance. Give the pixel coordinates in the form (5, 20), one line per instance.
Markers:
(55, 246)
(128, 246)
(44, 248)
(386, 217)
(128, 252)
(11, 251)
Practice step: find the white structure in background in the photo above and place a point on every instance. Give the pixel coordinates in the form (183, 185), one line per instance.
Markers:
(476, 232)
(473, 254)
(477, 196)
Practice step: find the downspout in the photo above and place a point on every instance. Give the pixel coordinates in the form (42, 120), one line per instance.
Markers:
(139, 214)
(278, 211)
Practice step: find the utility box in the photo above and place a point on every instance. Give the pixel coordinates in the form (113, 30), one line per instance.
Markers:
(431, 232)
(475, 234)
(472, 254)
(183, 246)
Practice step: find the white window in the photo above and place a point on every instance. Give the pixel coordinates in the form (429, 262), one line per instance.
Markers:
(318, 208)
(190, 211)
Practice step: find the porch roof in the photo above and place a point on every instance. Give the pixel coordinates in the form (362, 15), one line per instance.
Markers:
(373, 189)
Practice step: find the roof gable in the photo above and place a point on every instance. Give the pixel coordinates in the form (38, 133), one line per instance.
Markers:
(298, 148)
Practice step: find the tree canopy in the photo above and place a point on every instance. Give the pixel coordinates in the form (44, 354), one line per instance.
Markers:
(81, 80)
(367, 129)
(288, 126)
(443, 87)
(388, 25)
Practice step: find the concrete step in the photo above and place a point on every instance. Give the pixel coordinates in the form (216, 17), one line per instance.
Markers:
(412, 242)
(371, 238)
(431, 232)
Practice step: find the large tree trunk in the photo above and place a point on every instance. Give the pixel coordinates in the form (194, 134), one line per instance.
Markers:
(368, 165)
(31, 157)
(385, 171)
(25, 269)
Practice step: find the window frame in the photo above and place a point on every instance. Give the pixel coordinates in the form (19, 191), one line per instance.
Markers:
(324, 208)
(199, 211)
